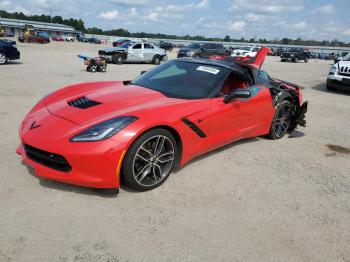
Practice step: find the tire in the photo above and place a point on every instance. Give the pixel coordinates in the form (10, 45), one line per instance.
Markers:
(93, 69)
(294, 60)
(281, 121)
(330, 88)
(306, 59)
(156, 60)
(283, 60)
(117, 59)
(88, 68)
(150, 160)
(3, 58)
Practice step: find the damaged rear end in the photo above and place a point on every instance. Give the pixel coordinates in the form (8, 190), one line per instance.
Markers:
(282, 90)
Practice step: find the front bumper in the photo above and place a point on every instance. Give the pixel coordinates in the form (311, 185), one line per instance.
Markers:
(338, 82)
(14, 55)
(92, 164)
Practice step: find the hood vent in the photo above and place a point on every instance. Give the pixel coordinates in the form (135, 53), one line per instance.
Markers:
(83, 103)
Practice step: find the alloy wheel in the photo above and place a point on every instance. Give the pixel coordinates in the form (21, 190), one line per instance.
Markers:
(282, 121)
(153, 161)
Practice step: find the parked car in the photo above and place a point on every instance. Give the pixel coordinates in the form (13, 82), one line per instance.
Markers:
(199, 50)
(8, 51)
(134, 52)
(68, 38)
(295, 54)
(246, 51)
(94, 40)
(58, 38)
(99, 134)
(339, 75)
(35, 39)
(120, 42)
(167, 46)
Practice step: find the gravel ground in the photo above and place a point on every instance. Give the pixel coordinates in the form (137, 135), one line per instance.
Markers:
(255, 200)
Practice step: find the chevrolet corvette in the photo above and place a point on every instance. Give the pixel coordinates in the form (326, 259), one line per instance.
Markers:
(99, 134)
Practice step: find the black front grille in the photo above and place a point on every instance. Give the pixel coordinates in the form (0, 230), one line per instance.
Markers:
(48, 159)
(83, 103)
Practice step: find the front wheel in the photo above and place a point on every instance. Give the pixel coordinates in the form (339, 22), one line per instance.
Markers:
(156, 60)
(117, 59)
(306, 59)
(3, 59)
(150, 160)
(281, 120)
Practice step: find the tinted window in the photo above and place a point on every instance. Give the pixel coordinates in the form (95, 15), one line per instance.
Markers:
(148, 46)
(219, 46)
(185, 80)
(137, 46)
(194, 46)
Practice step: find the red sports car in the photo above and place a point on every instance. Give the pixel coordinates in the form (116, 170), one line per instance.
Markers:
(97, 134)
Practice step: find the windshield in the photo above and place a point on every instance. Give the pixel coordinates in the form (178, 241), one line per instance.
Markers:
(347, 57)
(194, 46)
(126, 44)
(186, 80)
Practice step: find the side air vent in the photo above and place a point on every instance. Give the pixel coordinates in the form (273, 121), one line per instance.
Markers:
(83, 103)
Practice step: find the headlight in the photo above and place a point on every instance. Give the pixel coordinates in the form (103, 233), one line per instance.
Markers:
(333, 67)
(291, 55)
(104, 130)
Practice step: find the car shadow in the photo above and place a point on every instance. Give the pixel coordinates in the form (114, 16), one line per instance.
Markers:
(106, 193)
(9, 63)
(322, 88)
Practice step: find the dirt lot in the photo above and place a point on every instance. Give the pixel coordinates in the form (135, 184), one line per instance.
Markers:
(256, 200)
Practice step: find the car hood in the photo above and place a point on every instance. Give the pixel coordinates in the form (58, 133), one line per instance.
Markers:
(103, 100)
(344, 63)
(113, 49)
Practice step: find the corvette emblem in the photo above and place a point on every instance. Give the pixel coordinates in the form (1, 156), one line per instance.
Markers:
(34, 125)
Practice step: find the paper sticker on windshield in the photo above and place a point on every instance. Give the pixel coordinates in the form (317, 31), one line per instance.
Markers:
(208, 69)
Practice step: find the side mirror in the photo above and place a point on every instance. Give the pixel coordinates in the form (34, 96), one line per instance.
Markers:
(237, 93)
(142, 72)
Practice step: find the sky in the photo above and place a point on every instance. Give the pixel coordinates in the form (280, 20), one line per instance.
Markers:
(270, 19)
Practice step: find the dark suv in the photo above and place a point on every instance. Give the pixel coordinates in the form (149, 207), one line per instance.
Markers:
(295, 54)
(197, 50)
(8, 51)
(166, 46)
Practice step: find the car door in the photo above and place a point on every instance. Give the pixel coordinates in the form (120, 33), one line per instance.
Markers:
(148, 52)
(240, 118)
(135, 53)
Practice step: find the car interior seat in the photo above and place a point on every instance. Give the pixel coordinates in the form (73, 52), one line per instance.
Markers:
(231, 83)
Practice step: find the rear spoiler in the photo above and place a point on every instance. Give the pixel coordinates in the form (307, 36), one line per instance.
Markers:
(256, 61)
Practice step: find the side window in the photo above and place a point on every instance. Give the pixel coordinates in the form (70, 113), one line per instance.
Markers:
(137, 46)
(256, 49)
(206, 46)
(148, 46)
(231, 83)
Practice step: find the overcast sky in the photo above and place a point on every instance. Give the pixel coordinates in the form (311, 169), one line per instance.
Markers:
(309, 19)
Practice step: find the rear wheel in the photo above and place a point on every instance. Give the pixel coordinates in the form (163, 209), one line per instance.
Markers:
(150, 160)
(156, 60)
(117, 59)
(306, 59)
(3, 58)
(281, 120)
